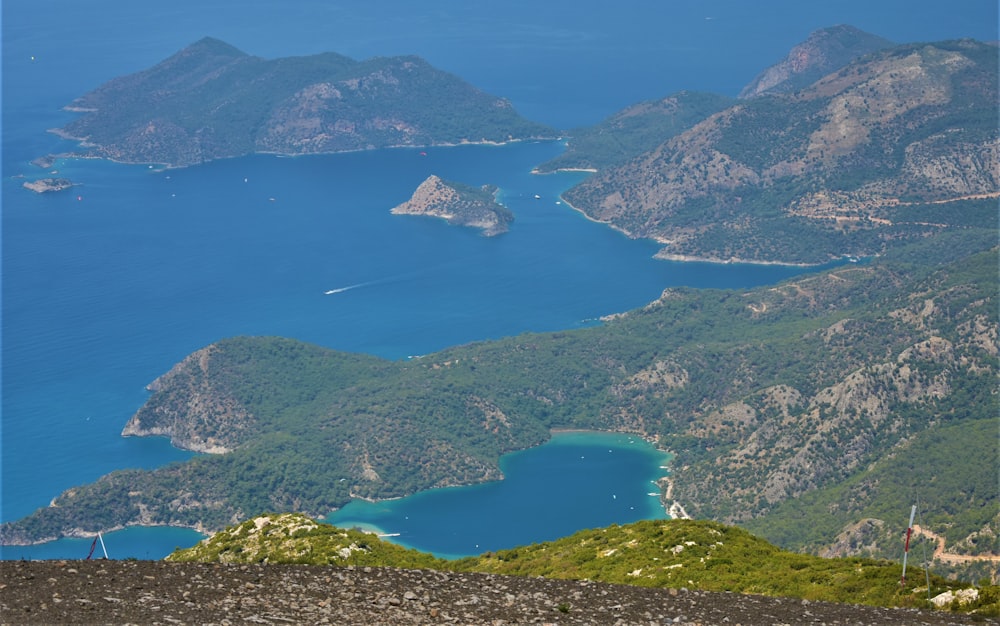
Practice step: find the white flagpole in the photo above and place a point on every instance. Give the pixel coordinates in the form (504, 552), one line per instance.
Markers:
(106, 550)
(906, 546)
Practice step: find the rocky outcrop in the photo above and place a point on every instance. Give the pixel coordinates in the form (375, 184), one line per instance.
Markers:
(458, 204)
(960, 597)
(190, 410)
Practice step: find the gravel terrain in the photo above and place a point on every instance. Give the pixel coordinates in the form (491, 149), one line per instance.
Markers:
(155, 592)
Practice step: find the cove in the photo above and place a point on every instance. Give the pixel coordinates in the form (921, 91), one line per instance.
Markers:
(574, 481)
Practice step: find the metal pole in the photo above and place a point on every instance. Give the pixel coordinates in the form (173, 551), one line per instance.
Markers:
(106, 550)
(906, 546)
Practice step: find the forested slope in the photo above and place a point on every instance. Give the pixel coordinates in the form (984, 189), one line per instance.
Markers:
(764, 395)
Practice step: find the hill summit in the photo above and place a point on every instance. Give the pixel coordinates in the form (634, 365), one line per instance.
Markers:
(655, 553)
(824, 51)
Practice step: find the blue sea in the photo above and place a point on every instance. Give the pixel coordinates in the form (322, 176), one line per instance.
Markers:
(109, 284)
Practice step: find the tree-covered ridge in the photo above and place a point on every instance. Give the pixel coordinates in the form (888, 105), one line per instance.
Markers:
(634, 130)
(764, 396)
(211, 101)
(897, 145)
(675, 553)
(459, 204)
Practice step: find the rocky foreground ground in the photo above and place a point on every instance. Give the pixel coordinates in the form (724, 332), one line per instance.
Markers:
(154, 592)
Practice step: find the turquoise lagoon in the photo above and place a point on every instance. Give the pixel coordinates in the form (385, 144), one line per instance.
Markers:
(574, 481)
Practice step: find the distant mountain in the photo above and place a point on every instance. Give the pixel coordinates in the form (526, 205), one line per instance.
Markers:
(897, 145)
(211, 101)
(825, 51)
(458, 204)
(634, 130)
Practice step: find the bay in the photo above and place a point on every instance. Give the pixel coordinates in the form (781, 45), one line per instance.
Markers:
(106, 286)
(576, 480)
(137, 268)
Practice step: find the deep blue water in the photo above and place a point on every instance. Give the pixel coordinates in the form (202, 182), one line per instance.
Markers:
(106, 286)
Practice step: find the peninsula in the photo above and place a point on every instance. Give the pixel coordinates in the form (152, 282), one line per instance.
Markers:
(458, 204)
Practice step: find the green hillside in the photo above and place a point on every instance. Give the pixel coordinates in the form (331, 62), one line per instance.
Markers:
(296, 538)
(674, 553)
(773, 400)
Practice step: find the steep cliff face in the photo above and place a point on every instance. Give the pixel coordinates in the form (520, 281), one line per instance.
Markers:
(193, 411)
(825, 51)
(898, 145)
(458, 204)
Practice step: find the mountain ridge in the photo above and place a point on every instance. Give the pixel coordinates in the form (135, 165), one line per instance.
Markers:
(897, 145)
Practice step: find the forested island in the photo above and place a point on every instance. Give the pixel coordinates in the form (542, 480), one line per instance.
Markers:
(211, 101)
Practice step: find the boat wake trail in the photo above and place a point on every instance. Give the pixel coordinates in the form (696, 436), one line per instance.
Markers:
(330, 292)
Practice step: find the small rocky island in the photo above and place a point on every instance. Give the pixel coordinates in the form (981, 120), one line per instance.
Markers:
(458, 204)
(46, 185)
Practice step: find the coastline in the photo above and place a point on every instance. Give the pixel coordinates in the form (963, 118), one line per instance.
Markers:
(663, 255)
(673, 508)
(666, 256)
(79, 533)
(589, 170)
(48, 159)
